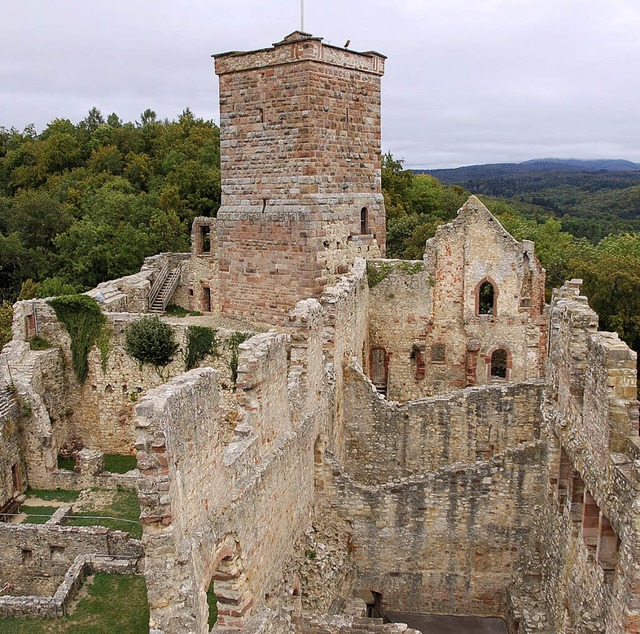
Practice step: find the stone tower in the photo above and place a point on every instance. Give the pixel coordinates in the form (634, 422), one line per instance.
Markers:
(300, 167)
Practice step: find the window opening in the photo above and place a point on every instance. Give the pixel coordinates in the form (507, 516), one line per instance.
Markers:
(379, 369)
(564, 476)
(15, 478)
(364, 221)
(486, 299)
(206, 299)
(438, 353)
(577, 496)
(418, 354)
(608, 545)
(499, 364)
(590, 521)
(205, 239)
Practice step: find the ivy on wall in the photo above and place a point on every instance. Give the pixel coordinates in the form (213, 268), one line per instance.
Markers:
(83, 320)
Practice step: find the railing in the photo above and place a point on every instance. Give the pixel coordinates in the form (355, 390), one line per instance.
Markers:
(157, 284)
(171, 289)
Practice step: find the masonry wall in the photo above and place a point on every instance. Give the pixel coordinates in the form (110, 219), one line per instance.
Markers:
(233, 508)
(297, 172)
(385, 440)
(36, 558)
(444, 542)
(587, 551)
(12, 465)
(345, 340)
(427, 318)
(100, 412)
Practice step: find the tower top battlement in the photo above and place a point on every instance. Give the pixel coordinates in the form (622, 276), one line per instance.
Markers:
(298, 47)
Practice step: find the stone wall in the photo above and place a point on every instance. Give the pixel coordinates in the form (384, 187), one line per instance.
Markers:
(214, 511)
(301, 185)
(12, 463)
(36, 558)
(99, 412)
(444, 542)
(587, 545)
(430, 323)
(344, 333)
(384, 441)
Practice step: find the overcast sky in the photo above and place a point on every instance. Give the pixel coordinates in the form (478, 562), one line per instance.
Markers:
(467, 81)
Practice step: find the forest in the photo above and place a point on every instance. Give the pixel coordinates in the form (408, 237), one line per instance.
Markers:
(83, 203)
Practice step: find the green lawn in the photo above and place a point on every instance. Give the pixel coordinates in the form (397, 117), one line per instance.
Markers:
(119, 463)
(116, 604)
(53, 495)
(125, 505)
(37, 514)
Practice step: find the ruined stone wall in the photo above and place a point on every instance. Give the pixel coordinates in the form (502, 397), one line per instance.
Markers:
(385, 440)
(345, 336)
(199, 288)
(99, 412)
(236, 507)
(444, 542)
(587, 545)
(430, 321)
(13, 469)
(36, 558)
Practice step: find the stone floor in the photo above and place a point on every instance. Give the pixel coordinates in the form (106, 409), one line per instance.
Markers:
(432, 624)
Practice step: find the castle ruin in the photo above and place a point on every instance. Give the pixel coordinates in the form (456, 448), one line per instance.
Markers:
(392, 436)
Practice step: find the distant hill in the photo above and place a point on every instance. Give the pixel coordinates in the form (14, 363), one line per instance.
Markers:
(533, 166)
(591, 197)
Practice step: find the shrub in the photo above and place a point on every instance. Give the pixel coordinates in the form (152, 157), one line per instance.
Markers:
(201, 341)
(150, 340)
(39, 343)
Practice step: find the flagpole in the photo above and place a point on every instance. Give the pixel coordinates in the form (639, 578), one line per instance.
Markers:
(302, 15)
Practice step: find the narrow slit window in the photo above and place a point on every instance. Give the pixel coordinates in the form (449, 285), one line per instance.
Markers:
(364, 221)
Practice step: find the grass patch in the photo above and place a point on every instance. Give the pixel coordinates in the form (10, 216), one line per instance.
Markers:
(212, 602)
(124, 505)
(39, 343)
(53, 495)
(116, 603)
(173, 310)
(119, 463)
(377, 272)
(66, 463)
(37, 514)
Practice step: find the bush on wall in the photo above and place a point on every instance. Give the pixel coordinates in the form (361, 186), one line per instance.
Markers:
(150, 340)
(201, 341)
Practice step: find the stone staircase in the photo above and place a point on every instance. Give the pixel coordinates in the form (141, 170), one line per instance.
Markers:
(163, 288)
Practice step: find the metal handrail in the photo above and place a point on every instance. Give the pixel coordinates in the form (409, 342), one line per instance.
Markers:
(159, 281)
(172, 288)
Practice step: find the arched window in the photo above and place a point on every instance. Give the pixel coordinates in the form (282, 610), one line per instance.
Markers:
(364, 221)
(486, 296)
(499, 364)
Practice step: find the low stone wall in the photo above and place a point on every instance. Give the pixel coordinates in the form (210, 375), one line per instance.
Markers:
(57, 605)
(35, 558)
(384, 441)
